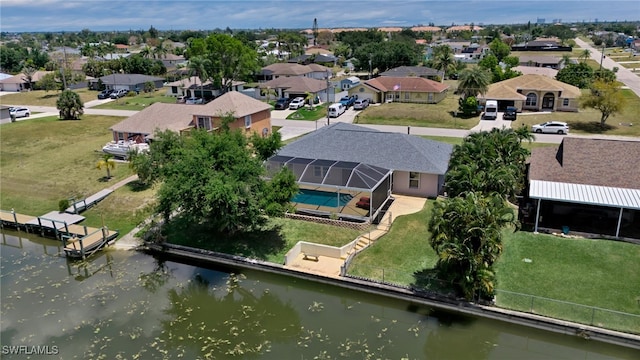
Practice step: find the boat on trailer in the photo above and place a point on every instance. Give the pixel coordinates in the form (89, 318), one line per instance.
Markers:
(122, 148)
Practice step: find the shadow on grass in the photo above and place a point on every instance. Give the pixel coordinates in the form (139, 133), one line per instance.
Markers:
(427, 280)
(137, 186)
(256, 244)
(48, 96)
(459, 115)
(592, 127)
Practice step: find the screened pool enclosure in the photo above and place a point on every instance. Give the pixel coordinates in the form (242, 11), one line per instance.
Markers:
(350, 190)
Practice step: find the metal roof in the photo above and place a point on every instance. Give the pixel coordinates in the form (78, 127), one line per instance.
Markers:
(330, 173)
(585, 194)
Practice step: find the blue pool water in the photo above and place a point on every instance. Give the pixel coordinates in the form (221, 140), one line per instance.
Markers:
(321, 198)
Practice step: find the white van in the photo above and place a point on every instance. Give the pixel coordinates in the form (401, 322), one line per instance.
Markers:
(336, 110)
(491, 110)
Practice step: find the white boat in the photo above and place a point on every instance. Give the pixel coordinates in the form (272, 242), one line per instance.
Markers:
(121, 148)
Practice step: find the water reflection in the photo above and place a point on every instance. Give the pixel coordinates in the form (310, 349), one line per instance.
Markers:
(125, 304)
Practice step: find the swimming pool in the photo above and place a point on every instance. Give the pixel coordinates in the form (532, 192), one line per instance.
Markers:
(321, 198)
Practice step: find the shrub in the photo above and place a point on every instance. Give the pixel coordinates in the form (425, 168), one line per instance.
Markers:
(63, 205)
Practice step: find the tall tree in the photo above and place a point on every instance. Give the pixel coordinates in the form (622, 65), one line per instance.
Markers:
(499, 49)
(605, 97)
(70, 105)
(580, 75)
(198, 66)
(28, 70)
(444, 60)
(229, 59)
(473, 81)
(466, 233)
(584, 55)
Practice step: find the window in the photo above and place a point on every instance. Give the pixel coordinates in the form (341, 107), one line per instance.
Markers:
(407, 96)
(565, 102)
(319, 171)
(532, 100)
(120, 136)
(414, 180)
(247, 121)
(397, 96)
(430, 97)
(204, 122)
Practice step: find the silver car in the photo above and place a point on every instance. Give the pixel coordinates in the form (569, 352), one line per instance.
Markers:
(361, 104)
(551, 127)
(19, 112)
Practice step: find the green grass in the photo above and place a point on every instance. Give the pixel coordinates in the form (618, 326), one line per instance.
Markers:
(42, 98)
(593, 273)
(400, 254)
(458, 141)
(270, 243)
(440, 115)
(138, 102)
(39, 168)
(587, 121)
(304, 113)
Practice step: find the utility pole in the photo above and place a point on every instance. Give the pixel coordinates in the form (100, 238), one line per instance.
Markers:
(370, 56)
(604, 46)
(328, 103)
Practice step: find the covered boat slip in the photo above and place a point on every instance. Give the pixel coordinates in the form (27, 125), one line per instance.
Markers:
(350, 190)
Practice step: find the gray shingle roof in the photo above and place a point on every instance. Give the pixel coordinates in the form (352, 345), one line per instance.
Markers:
(347, 142)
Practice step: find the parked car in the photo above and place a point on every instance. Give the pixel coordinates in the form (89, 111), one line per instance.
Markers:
(18, 112)
(490, 110)
(194, 100)
(181, 99)
(551, 127)
(296, 103)
(336, 110)
(104, 94)
(511, 113)
(361, 104)
(282, 103)
(118, 93)
(348, 100)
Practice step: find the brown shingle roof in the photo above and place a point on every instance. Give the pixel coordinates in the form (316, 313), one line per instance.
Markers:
(296, 84)
(232, 102)
(292, 69)
(412, 84)
(158, 116)
(612, 163)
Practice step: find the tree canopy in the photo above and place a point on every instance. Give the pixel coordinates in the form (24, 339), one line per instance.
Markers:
(580, 75)
(605, 97)
(70, 105)
(213, 179)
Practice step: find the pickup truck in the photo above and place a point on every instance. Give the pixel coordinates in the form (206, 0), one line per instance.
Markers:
(348, 100)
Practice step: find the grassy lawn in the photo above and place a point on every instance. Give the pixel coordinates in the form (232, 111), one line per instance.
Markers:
(42, 98)
(39, 168)
(138, 102)
(587, 121)
(304, 113)
(270, 243)
(597, 273)
(400, 254)
(426, 115)
(458, 141)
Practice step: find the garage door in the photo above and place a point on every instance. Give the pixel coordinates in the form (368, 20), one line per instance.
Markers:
(366, 96)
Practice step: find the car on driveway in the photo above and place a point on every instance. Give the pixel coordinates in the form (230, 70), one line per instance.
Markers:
(282, 104)
(551, 127)
(511, 113)
(296, 103)
(118, 93)
(194, 100)
(361, 104)
(104, 94)
(19, 112)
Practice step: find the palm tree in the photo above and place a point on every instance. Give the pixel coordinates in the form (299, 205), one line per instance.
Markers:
(474, 81)
(146, 52)
(585, 55)
(106, 162)
(566, 59)
(28, 72)
(198, 66)
(160, 51)
(445, 61)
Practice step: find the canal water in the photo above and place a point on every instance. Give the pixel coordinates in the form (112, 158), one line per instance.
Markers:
(128, 305)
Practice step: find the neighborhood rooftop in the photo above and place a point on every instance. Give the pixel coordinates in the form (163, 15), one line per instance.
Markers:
(347, 142)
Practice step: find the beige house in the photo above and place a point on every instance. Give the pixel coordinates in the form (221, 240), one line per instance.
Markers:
(534, 92)
(401, 89)
(251, 116)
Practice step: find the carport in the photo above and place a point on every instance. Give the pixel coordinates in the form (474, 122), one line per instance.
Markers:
(361, 190)
(595, 209)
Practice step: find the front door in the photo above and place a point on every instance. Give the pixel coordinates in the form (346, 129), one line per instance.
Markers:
(547, 101)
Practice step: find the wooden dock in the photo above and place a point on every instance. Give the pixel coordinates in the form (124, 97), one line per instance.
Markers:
(78, 241)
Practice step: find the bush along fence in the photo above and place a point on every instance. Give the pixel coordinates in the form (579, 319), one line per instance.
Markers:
(426, 282)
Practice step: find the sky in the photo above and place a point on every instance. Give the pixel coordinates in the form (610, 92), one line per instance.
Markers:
(120, 15)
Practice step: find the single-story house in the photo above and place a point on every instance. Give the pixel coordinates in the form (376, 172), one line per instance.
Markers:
(170, 61)
(251, 115)
(192, 87)
(348, 83)
(19, 82)
(291, 87)
(552, 62)
(541, 44)
(305, 59)
(533, 92)
(277, 70)
(585, 185)
(131, 82)
(411, 71)
(401, 89)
